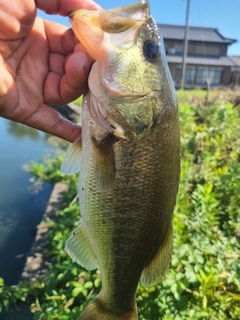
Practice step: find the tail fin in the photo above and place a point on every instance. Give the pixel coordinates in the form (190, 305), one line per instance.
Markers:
(96, 310)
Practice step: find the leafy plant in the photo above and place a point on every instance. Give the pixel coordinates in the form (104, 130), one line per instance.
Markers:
(10, 295)
(204, 279)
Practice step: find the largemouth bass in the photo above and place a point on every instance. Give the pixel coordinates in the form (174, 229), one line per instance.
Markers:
(129, 158)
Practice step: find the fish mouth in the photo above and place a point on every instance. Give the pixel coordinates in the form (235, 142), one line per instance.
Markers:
(119, 26)
(101, 32)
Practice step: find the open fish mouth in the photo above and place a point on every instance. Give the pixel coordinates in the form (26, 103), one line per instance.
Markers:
(94, 29)
(104, 33)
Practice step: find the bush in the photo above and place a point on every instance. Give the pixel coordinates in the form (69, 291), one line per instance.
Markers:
(204, 279)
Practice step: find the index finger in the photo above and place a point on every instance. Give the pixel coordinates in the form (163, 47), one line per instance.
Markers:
(49, 120)
(63, 7)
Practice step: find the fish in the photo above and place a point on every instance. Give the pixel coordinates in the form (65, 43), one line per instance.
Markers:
(128, 156)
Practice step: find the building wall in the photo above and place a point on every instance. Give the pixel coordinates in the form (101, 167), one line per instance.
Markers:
(217, 75)
(226, 77)
(235, 78)
(223, 50)
(176, 72)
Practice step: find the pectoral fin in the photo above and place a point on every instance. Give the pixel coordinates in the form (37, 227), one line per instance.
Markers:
(79, 248)
(104, 162)
(156, 269)
(72, 160)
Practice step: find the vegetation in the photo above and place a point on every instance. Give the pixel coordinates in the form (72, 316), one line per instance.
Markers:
(79, 101)
(204, 279)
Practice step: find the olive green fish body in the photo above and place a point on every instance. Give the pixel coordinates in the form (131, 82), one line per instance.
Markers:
(128, 223)
(129, 158)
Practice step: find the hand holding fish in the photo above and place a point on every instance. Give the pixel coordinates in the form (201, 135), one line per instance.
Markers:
(41, 63)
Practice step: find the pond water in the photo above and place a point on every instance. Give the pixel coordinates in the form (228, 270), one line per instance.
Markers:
(22, 203)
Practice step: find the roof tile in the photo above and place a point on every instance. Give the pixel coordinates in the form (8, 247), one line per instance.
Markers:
(206, 34)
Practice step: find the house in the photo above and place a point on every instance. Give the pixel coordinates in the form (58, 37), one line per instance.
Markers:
(207, 62)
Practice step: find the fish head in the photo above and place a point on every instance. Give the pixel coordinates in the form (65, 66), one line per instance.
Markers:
(130, 84)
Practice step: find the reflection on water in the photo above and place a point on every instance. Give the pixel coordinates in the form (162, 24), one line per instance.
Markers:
(20, 131)
(20, 210)
(8, 223)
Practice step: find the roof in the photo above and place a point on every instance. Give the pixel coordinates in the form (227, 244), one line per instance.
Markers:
(218, 62)
(206, 34)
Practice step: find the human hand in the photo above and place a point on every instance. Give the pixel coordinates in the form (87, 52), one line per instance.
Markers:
(41, 63)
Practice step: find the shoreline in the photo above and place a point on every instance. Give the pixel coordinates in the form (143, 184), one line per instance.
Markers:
(36, 265)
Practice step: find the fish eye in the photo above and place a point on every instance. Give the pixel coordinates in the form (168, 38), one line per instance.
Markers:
(151, 50)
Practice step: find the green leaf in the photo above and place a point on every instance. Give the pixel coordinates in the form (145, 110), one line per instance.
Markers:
(76, 291)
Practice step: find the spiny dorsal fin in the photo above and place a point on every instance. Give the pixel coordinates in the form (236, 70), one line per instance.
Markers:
(79, 248)
(72, 160)
(159, 265)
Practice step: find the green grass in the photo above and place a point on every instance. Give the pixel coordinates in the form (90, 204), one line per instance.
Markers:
(204, 278)
(78, 101)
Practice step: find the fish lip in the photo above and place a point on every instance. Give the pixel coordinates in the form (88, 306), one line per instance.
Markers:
(130, 13)
(128, 10)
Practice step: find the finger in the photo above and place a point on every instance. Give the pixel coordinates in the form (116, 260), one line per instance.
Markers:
(16, 20)
(56, 63)
(8, 92)
(49, 120)
(64, 7)
(66, 88)
(60, 38)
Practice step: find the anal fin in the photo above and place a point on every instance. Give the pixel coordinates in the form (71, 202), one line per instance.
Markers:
(159, 265)
(79, 248)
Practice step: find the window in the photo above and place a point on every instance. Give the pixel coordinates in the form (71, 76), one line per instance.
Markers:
(174, 48)
(215, 75)
(207, 49)
(200, 75)
(212, 73)
(190, 74)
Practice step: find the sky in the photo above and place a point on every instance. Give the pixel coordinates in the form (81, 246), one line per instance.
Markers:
(221, 14)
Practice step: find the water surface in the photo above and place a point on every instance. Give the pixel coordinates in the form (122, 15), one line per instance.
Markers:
(22, 203)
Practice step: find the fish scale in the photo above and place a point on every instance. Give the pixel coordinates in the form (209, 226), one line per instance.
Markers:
(130, 159)
(120, 208)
